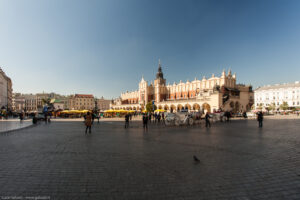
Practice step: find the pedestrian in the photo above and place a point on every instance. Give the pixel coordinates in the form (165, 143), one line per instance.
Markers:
(155, 118)
(260, 119)
(207, 122)
(228, 115)
(99, 115)
(130, 117)
(127, 121)
(88, 122)
(150, 116)
(163, 117)
(245, 115)
(145, 121)
(158, 118)
(93, 117)
(46, 117)
(21, 116)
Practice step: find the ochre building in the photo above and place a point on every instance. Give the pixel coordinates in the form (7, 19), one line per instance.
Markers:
(209, 94)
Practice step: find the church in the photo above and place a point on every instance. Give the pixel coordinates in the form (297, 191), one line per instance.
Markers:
(208, 95)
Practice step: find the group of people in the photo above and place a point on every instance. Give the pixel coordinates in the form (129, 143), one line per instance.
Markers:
(156, 118)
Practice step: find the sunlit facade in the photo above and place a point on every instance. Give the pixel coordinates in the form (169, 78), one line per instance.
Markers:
(209, 94)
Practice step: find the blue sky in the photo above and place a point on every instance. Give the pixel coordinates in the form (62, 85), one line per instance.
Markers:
(104, 47)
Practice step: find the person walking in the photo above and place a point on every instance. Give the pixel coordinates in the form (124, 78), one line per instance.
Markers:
(150, 116)
(207, 122)
(21, 116)
(145, 122)
(88, 123)
(163, 118)
(127, 121)
(155, 118)
(228, 115)
(98, 117)
(158, 118)
(260, 119)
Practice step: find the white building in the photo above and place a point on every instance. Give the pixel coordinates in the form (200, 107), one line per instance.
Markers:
(277, 94)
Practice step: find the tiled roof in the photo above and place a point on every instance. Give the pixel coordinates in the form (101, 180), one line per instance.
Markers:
(278, 86)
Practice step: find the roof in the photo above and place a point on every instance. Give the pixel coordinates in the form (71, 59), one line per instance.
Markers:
(84, 96)
(279, 86)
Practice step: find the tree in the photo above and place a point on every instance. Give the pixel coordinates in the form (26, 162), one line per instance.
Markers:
(272, 106)
(150, 107)
(260, 106)
(284, 106)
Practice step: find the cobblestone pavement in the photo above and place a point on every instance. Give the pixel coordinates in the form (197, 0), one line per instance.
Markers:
(237, 161)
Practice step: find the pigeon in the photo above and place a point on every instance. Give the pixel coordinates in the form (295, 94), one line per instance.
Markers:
(196, 159)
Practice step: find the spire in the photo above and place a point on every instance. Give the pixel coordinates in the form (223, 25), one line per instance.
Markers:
(142, 78)
(159, 73)
(229, 72)
(223, 73)
(234, 75)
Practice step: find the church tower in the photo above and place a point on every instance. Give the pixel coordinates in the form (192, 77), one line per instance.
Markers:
(159, 85)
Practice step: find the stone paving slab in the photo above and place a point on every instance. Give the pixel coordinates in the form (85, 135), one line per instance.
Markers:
(237, 161)
(11, 125)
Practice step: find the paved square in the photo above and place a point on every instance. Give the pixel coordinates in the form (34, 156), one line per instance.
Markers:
(237, 161)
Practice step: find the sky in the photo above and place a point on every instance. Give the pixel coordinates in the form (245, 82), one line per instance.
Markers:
(104, 47)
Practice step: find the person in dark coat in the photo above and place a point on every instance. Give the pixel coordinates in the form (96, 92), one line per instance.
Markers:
(260, 119)
(127, 121)
(207, 122)
(163, 117)
(155, 118)
(88, 122)
(145, 122)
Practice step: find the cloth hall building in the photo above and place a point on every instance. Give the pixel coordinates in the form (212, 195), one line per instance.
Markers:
(209, 94)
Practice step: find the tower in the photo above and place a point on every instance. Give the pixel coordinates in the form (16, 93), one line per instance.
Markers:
(159, 85)
(159, 76)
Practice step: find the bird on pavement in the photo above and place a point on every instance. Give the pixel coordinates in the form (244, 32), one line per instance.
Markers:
(196, 159)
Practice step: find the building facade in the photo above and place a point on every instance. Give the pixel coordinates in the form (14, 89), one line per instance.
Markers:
(81, 102)
(209, 94)
(18, 102)
(5, 91)
(103, 104)
(9, 94)
(31, 103)
(277, 94)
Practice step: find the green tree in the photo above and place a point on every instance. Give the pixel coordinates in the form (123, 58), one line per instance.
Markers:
(284, 106)
(150, 107)
(272, 106)
(260, 106)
